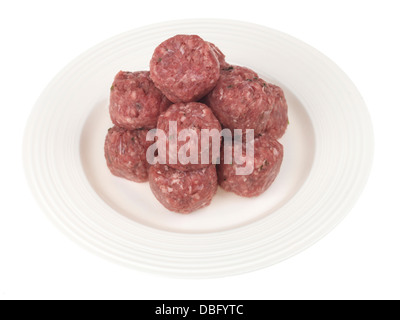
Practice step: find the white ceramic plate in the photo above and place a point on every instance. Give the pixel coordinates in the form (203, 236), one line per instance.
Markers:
(328, 154)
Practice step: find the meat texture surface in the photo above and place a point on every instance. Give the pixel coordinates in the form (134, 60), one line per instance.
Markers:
(125, 153)
(268, 155)
(135, 102)
(183, 191)
(185, 68)
(194, 116)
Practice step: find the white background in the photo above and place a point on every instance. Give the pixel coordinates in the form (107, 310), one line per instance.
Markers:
(360, 259)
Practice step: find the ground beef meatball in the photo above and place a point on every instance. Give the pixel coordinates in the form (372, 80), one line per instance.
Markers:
(125, 152)
(220, 56)
(278, 120)
(184, 68)
(135, 102)
(239, 100)
(195, 116)
(268, 155)
(183, 191)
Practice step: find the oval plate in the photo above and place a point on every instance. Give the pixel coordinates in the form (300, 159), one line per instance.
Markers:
(328, 155)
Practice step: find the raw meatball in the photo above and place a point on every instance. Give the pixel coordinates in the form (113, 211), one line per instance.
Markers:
(268, 155)
(184, 68)
(240, 101)
(183, 191)
(195, 116)
(125, 152)
(220, 56)
(135, 102)
(278, 120)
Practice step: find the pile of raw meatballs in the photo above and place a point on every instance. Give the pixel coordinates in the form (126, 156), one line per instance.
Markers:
(191, 83)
